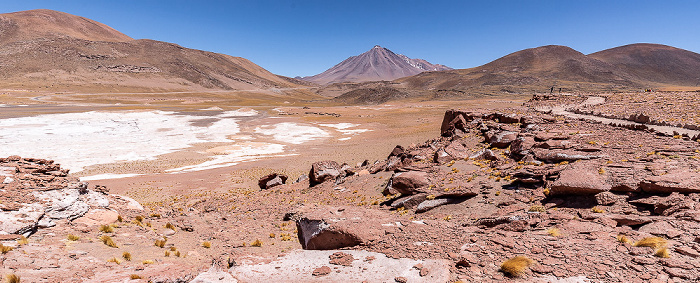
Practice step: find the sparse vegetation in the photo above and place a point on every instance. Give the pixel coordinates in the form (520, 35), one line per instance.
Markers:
(73, 238)
(177, 253)
(167, 253)
(134, 276)
(148, 261)
(106, 229)
(623, 239)
(22, 240)
(654, 242)
(256, 243)
(160, 243)
(12, 278)
(126, 256)
(537, 208)
(554, 232)
(662, 253)
(206, 244)
(597, 209)
(170, 226)
(5, 249)
(516, 266)
(115, 260)
(120, 219)
(107, 240)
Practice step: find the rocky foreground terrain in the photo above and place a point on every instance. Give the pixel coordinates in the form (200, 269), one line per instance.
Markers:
(516, 196)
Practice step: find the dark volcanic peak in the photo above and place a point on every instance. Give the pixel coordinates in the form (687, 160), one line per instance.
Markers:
(376, 64)
(655, 63)
(36, 24)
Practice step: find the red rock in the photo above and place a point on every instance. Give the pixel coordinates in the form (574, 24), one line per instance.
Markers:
(341, 258)
(501, 139)
(321, 271)
(579, 181)
(682, 181)
(661, 228)
(323, 171)
(409, 182)
(687, 251)
(272, 180)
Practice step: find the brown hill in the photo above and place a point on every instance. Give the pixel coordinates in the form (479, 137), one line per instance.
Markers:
(655, 63)
(534, 69)
(35, 24)
(43, 49)
(377, 64)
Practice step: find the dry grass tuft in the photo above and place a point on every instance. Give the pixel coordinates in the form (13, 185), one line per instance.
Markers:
(623, 239)
(663, 253)
(172, 249)
(554, 232)
(516, 266)
(597, 209)
(654, 242)
(170, 226)
(12, 278)
(115, 260)
(160, 243)
(148, 261)
(537, 208)
(107, 240)
(106, 229)
(22, 240)
(206, 244)
(139, 218)
(272, 235)
(5, 249)
(134, 276)
(120, 218)
(126, 256)
(256, 243)
(72, 237)
(177, 253)
(167, 253)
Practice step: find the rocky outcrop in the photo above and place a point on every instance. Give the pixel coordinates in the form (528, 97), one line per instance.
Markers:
(272, 180)
(37, 193)
(323, 171)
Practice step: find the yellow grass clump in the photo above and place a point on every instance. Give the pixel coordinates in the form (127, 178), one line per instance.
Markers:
(72, 237)
(106, 229)
(107, 240)
(12, 278)
(120, 218)
(167, 253)
(537, 208)
(623, 239)
(115, 260)
(134, 276)
(22, 240)
(170, 226)
(272, 235)
(177, 253)
(172, 249)
(256, 243)
(654, 242)
(126, 256)
(5, 249)
(206, 244)
(597, 209)
(554, 232)
(148, 261)
(663, 253)
(160, 243)
(516, 266)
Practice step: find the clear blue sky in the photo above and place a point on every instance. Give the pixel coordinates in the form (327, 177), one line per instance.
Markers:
(299, 38)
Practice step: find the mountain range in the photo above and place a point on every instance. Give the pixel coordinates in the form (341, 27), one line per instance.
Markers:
(51, 50)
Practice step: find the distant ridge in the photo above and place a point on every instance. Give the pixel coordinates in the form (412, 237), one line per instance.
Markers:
(51, 50)
(377, 64)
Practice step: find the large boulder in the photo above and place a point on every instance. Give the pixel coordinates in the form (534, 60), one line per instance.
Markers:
(323, 171)
(329, 228)
(501, 139)
(272, 180)
(410, 182)
(681, 181)
(579, 180)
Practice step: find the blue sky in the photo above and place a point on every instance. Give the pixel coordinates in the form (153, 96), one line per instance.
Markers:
(300, 38)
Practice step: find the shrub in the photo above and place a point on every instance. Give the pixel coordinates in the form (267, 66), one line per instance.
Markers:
(256, 243)
(537, 208)
(206, 244)
(5, 249)
(134, 276)
(654, 242)
(12, 278)
(72, 237)
(115, 260)
(515, 266)
(160, 243)
(126, 256)
(167, 253)
(107, 240)
(106, 229)
(170, 226)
